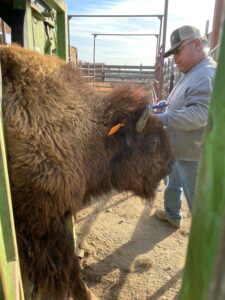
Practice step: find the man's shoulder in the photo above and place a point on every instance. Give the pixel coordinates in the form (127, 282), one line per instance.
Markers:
(208, 63)
(206, 68)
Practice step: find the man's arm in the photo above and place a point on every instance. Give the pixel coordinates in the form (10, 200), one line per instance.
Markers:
(194, 114)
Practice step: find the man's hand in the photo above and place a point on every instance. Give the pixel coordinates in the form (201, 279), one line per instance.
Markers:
(160, 107)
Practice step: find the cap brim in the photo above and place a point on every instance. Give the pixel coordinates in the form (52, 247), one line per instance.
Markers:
(170, 51)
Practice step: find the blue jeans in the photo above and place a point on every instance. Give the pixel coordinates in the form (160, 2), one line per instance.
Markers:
(182, 179)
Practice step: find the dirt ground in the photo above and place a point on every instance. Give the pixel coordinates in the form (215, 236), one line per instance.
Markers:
(128, 253)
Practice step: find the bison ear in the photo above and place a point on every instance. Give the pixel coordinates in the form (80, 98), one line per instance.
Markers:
(115, 128)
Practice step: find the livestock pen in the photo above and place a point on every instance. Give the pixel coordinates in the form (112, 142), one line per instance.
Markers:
(105, 77)
(126, 73)
(204, 272)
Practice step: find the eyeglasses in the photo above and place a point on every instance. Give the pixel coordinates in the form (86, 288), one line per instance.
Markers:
(179, 49)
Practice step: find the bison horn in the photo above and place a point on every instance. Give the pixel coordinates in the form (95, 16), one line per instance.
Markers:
(141, 122)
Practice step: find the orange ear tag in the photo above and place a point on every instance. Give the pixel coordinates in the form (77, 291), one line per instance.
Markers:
(115, 128)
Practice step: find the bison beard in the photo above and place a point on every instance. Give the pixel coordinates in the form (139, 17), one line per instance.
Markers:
(60, 154)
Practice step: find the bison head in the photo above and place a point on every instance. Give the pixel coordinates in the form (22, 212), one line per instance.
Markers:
(139, 153)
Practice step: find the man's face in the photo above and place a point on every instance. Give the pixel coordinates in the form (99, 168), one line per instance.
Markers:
(185, 55)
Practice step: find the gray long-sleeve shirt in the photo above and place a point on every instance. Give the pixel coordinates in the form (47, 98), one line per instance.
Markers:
(187, 112)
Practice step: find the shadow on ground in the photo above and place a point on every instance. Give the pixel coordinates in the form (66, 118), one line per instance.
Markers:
(149, 229)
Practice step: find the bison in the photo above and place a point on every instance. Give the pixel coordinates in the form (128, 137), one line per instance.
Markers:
(66, 143)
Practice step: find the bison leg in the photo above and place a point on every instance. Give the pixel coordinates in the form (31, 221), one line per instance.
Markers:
(51, 264)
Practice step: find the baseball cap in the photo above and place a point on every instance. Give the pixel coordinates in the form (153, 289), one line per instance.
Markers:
(179, 35)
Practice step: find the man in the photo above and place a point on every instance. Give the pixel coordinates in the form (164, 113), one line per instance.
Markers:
(186, 118)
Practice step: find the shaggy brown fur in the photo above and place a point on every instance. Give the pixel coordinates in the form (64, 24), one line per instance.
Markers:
(59, 155)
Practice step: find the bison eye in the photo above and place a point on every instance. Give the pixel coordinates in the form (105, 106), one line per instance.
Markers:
(152, 142)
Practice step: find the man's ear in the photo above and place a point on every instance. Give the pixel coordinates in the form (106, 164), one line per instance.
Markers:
(198, 44)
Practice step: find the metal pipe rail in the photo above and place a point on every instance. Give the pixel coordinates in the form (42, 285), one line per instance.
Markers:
(99, 66)
(115, 16)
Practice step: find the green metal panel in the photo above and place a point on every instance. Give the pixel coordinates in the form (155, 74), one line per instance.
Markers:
(209, 211)
(6, 289)
(10, 285)
(28, 28)
(217, 284)
(58, 5)
(39, 34)
(4, 207)
(53, 19)
(6, 241)
(62, 36)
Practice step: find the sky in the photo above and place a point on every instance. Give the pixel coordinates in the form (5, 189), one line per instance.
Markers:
(130, 50)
